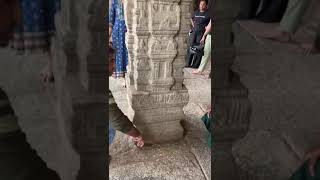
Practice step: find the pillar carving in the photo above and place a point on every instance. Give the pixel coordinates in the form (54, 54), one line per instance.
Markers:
(231, 104)
(155, 72)
(80, 70)
(129, 9)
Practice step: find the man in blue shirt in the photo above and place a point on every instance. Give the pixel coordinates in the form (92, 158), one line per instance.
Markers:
(199, 21)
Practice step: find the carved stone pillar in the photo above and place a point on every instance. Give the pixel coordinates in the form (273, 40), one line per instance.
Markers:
(129, 9)
(231, 104)
(156, 94)
(81, 82)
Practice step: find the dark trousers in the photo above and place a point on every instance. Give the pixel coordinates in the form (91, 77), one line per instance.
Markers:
(194, 40)
(18, 161)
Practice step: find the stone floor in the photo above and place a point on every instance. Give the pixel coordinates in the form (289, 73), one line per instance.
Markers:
(283, 85)
(187, 159)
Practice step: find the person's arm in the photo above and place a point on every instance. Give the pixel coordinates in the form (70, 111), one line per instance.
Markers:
(208, 29)
(192, 19)
(121, 123)
(192, 23)
(118, 120)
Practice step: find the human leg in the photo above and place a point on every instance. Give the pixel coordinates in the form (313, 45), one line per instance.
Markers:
(289, 22)
(295, 11)
(207, 54)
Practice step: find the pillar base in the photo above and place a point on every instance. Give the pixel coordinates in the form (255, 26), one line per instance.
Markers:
(162, 132)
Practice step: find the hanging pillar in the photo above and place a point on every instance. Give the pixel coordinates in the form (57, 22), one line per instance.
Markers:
(156, 41)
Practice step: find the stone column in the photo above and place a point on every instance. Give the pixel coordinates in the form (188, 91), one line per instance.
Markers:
(231, 104)
(80, 66)
(155, 92)
(129, 9)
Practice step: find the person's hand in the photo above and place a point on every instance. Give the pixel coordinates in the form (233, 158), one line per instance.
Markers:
(313, 157)
(136, 137)
(110, 31)
(139, 142)
(209, 112)
(203, 39)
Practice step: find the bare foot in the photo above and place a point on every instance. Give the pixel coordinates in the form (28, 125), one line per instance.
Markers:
(309, 48)
(46, 75)
(196, 72)
(277, 35)
(207, 76)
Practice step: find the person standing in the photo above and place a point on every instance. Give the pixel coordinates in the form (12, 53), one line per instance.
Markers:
(36, 29)
(290, 23)
(117, 32)
(206, 40)
(199, 21)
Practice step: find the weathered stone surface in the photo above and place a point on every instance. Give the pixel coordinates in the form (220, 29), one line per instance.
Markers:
(193, 151)
(80, 79)
(284, 92)
(231, 105)
(158, 162)
(199, 87)
(262, 156)
(155, 70)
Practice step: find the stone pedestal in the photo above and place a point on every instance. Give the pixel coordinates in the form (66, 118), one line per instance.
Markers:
(157, 46)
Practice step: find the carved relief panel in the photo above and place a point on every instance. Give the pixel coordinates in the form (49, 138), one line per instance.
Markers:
(164, 17)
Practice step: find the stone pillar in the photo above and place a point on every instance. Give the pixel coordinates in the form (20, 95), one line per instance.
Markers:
(129, 9)
(155, 88)
(80, 66)
(231, 104)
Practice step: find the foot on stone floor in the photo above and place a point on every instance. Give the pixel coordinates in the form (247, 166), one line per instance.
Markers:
(276, 35)
(46, 75)
(195, 71)
(309, 48)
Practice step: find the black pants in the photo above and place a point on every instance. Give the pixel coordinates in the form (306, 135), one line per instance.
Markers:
(194, 40)
(195, 37)
(19, 162)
